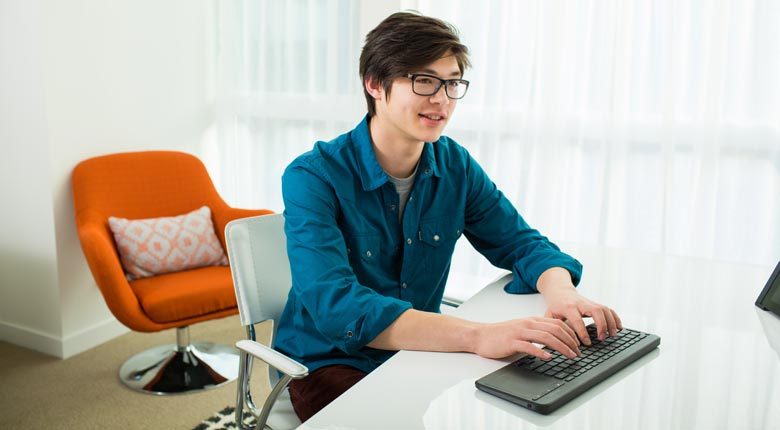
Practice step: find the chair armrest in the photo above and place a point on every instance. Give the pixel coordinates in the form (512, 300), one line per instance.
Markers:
(103, 261)
(278, 361)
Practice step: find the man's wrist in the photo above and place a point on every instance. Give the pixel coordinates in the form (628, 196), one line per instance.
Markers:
(471, 336)
(555, 280)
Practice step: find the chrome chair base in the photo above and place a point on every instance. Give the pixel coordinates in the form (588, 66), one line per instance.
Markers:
(180, 369)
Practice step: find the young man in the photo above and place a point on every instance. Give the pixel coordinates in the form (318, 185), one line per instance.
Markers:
(372, 218)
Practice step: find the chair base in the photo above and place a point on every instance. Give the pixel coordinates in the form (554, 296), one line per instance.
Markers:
(171, 369)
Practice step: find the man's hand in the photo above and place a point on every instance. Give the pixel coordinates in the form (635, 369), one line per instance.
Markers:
(503, 339)
(565, 304)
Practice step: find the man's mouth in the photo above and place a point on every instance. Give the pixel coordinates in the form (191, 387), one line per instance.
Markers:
(432, 117)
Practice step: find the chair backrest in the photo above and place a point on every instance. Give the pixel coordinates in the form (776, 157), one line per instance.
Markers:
(257, 249)
(146, 184)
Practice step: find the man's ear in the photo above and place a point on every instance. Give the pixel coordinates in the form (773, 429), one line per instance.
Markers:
(374, 88)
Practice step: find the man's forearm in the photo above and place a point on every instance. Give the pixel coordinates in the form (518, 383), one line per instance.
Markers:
(427, 331)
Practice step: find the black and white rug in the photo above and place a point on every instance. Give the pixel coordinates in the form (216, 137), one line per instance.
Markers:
(223, 420)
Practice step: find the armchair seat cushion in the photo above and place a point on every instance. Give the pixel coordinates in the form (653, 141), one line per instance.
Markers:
(180, 295)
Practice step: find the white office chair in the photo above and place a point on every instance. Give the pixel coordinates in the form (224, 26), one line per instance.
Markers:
(257, 250)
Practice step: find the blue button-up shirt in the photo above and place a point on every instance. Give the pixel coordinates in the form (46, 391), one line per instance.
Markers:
(356, 268)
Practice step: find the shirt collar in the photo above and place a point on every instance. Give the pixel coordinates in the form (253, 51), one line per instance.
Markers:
(372, 176)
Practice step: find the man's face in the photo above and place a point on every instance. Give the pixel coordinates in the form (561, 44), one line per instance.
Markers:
(415, 118)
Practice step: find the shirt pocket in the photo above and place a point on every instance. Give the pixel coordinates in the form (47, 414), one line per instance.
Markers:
(438, 238)
(439, 232)
(364, 249)
(364, 258)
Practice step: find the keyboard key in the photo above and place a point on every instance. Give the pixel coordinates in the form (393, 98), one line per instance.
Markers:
(561, 375)
(569, 378)
(543, 368)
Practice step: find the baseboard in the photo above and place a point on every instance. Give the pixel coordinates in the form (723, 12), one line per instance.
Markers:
(61, 347)
(31, 338)
(91, 337)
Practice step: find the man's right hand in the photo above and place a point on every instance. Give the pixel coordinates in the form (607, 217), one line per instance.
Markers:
(499, 340)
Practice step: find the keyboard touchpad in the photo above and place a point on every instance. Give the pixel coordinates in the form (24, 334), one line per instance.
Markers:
(520, 382)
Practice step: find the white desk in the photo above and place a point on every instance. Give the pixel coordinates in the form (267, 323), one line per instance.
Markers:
(715, 368)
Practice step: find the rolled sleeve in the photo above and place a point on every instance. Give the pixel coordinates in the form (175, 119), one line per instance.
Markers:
(497, 231)
(348, 314)
(528, 270)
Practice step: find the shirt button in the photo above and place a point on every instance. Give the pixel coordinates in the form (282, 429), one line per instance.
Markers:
(348, 250)
(436, 237)
(409, 241)
(350, 334)
(457, 231)
(392, 208)
(427, 171)
(368, 253)
(403, 285)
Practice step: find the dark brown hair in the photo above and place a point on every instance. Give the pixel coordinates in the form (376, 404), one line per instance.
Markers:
(403, 42)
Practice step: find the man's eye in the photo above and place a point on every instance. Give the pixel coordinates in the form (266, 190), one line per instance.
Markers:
(453, 84)
(424, 81)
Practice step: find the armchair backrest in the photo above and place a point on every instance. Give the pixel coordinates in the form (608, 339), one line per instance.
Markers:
(257, 250)
(147, 184)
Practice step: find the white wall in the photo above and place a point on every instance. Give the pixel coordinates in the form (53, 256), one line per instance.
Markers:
(81, 79)
(29, 297)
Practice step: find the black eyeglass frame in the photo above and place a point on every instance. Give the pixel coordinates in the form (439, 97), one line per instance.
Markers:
(413, 77)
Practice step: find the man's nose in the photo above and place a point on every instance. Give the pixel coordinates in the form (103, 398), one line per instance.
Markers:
(440, 96)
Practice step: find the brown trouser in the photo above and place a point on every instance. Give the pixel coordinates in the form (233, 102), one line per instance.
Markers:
(314, 392)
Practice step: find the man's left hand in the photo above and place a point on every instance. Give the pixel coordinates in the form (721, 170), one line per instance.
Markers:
(564, 303)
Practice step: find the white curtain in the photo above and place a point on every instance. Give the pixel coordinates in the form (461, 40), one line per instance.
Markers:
(285, 75)
(629, 124)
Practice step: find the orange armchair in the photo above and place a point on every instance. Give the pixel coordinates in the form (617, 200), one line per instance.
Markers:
(149, 185)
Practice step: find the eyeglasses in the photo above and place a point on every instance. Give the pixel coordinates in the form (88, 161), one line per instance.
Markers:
(428, 85)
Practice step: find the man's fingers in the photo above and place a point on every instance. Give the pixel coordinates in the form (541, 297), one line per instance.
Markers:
(553, 342)
(564, 324)
(569, 330)
(560, 330)
(570, 324)
(574, 319)
(601, 322)
(618, 322)
(530, 349)
(611, 324)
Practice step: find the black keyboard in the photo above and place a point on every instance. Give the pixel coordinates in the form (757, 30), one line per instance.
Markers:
(566, 369)
(545, 385)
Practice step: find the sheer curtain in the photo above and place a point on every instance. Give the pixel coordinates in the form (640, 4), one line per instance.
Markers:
(630, 124)
(285, 75)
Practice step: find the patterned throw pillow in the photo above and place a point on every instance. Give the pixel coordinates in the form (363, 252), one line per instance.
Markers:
(154, 246)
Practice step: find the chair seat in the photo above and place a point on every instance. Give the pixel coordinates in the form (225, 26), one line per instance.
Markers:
(181, 295)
